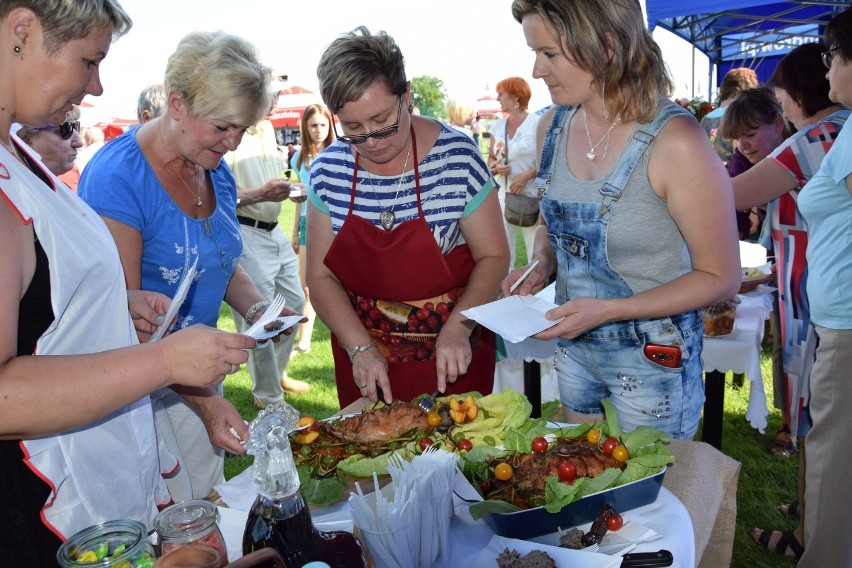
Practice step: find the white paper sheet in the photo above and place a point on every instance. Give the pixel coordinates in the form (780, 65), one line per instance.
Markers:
(289, 321)
(514, 318)
(177, 302)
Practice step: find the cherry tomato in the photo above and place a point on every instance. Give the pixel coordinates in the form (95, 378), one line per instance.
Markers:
(465, 445)
(434, 419)
(614, 522)
(593, 436)
(610, 445)
(539, 445)
(567, 472)
(425, 443)
(620, 453)
(503, 472)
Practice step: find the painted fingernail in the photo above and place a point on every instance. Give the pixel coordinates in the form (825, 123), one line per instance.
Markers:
(159, 319)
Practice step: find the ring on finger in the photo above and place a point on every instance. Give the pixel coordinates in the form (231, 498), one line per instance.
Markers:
(362, 386)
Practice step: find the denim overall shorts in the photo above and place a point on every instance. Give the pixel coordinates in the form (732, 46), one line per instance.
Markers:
(609, 361)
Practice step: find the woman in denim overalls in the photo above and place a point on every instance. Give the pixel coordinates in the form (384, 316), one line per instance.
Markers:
(639, 218)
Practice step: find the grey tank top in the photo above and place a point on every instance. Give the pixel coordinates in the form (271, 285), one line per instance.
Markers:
(644, 244)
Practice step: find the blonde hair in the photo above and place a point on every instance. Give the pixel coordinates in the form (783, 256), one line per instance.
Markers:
(459, 113)
(608, 39)
(220, 77)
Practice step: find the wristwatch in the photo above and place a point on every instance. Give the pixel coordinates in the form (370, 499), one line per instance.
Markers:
(359, 349)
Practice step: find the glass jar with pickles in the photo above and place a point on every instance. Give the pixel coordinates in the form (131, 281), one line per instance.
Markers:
(108, 545)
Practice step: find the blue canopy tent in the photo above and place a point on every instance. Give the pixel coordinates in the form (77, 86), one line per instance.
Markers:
(744, 33)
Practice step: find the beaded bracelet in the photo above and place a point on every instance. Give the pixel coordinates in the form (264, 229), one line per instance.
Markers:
(252, 311)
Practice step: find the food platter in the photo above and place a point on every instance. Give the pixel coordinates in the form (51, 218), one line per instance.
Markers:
(331, 455)
(536, 522)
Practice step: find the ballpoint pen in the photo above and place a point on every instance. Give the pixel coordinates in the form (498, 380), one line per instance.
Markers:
(524, 275)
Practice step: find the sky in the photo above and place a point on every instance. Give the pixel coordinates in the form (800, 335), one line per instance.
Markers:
(469, 44)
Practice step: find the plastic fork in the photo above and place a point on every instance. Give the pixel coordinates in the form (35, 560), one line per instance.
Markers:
(270, 314)
(427, 403)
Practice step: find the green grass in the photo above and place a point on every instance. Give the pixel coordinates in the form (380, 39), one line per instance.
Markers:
(765, 480)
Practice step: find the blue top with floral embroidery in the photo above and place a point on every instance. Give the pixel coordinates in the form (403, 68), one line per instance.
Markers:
(120, 184)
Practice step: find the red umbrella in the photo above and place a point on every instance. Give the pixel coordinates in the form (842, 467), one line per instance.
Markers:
(290, 106)
(115, 127)
(488, 107)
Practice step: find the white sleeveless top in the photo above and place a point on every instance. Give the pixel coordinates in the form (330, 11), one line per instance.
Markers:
(109, 469)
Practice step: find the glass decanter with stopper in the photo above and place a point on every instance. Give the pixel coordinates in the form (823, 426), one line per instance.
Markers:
(279, 517)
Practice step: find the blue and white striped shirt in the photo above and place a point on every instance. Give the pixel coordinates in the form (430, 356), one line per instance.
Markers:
(454, 180)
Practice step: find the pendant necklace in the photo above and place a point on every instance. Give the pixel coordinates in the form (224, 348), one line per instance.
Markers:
(591, 154)
(196, 194)
(387, 217)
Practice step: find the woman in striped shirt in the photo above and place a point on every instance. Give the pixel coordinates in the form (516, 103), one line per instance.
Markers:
(404, 233)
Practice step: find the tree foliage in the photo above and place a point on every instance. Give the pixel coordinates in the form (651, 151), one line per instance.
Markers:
(428, 95)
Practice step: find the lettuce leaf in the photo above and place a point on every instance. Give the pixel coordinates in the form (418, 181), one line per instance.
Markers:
(360, 465)
(482, 508)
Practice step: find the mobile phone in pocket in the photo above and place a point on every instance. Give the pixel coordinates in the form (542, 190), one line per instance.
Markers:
(665, 355)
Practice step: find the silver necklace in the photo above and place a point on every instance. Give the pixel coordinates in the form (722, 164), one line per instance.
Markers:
(591, 154)
(196, 194)
(387, 217)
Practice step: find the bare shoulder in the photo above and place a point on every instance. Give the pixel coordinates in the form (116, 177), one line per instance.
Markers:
(17, 253)
(682, 144)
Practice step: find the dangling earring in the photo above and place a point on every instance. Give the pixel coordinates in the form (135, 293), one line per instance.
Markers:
(603, 101)
(410, 109)
(17, 49)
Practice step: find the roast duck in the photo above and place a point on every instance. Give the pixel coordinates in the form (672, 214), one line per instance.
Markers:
(379, 426)
(526, 487)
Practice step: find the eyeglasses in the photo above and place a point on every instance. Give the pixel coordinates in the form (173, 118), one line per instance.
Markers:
(66, 129)
(828, 56)
(385, 132)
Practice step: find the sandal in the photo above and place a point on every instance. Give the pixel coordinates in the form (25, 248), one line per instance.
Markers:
(785, 544)
(783, 444)
(789, 509)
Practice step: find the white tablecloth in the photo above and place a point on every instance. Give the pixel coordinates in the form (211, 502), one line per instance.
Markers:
(667, 516)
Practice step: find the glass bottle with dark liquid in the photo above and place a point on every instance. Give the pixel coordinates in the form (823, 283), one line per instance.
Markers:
(279, 517)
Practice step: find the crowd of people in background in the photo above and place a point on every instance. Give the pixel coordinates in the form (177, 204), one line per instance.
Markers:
(618, 195)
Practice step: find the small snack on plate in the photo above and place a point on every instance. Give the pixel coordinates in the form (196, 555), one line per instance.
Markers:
(274, 325)
(719, 318)
(533, 559)
(572, 538)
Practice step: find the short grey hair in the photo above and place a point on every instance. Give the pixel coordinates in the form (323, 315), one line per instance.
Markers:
(153, 99)
(356, 60)
(64, 20)
(220, 77)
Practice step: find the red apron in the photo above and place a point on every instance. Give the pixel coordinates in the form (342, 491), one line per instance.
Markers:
(402, 287)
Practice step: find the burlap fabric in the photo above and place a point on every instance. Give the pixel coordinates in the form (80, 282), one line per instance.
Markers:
(705, 481)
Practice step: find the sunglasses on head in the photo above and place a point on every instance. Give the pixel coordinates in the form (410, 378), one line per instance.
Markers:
(66, 129)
